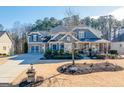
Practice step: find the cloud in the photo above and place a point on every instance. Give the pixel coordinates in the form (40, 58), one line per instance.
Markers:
(118, 13)
(95, 17)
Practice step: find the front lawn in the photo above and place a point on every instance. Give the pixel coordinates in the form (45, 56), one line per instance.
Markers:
(97, 79)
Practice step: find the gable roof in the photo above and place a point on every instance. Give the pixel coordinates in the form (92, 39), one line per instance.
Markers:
(68, 34)
(62, 28)
(59, 28)
(61, 35)
(57, 37)
(1, 33)
(94, 31)
(44, 33)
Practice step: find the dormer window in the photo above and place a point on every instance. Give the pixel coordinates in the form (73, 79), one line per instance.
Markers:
(81, 34)
(34, 37)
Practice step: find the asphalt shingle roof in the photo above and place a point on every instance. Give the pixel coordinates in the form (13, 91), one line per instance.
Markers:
(62, 28)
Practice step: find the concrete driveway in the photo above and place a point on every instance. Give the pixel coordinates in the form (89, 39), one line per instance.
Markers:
(15, 66)
(26, 58)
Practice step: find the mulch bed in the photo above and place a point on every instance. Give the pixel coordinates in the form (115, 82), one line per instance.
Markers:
(86, 68)
(24, 83)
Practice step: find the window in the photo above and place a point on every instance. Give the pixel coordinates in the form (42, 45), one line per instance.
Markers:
(34, 37)
(4, 48)
(54, 47)
(68, 38)
(62, 46)
(81, 34)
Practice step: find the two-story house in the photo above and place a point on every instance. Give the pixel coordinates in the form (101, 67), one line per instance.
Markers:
(62, 38)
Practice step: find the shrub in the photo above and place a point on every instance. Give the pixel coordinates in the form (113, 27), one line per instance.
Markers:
(62, 57)
(61, 51)
(113, 52)
(112, 56)
(48, 54)
(101, 56)
(4, 54)
(65, 56)
(55, 52)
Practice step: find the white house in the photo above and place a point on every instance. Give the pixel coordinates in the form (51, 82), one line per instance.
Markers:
(6, 44)
(118, 42)
(119, 46)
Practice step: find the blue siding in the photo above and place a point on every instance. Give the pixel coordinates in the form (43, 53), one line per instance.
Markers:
(89, 34)
(30, 39)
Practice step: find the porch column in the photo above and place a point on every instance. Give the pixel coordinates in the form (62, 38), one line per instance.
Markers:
(44, 48)
(89, 45)
(59, 46)
(49, 45)
(77, 46)
(107, 46)
(102, 47)
(98, 46)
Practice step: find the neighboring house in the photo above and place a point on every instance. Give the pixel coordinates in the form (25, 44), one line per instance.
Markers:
(118, 42)
(119, 46)
(62, 38)
(6, 44)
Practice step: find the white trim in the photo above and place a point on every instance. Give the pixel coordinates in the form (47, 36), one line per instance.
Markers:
(34, 33)
(69, 35)
(54, 37)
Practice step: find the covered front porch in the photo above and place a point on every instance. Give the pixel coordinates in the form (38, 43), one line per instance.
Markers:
(98, 47)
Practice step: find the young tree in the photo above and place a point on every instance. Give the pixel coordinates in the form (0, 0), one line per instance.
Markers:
(72, 20)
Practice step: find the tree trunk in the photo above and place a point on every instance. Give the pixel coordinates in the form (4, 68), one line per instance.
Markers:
(73, 60)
